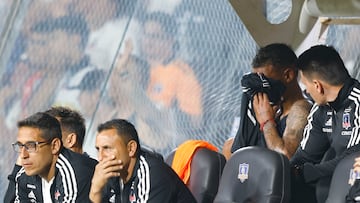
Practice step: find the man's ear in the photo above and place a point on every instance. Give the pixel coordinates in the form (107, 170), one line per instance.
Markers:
(319, 86)
(71, 140)
(289, 75)
(132, 148)
(56, 146)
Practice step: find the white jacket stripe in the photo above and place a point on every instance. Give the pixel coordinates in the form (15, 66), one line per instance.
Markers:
(355, 138)
(144, 180)
(68, 179)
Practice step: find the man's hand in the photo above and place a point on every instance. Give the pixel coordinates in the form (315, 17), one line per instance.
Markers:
(357, 164)
(104, 170)
(262, 108)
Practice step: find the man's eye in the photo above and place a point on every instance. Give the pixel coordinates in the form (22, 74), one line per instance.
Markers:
(30, 145)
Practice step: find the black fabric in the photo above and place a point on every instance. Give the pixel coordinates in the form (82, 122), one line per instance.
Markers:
(354, 193)
(253, 83)
(339, 187)
(249, 133)
(330, 127)
(255, 174)
(152, 181)
(30, 188)
(206, 170)
(10, 192)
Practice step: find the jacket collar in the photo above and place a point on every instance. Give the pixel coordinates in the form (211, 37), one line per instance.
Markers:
(343, 94)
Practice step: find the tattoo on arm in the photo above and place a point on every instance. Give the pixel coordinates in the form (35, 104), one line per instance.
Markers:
(295, 124)
(292, 136)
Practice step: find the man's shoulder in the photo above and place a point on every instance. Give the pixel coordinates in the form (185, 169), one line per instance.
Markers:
(301, 104)
(77, 160)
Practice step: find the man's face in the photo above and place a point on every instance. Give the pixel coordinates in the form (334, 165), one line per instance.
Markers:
(313, 88)
(54, 49)
(37, 162)
(108, 143)
(155, 43)
(124, 81)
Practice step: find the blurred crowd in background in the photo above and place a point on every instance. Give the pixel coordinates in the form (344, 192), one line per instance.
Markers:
(172, 68)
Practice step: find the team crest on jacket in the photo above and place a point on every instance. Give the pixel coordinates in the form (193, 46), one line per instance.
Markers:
(57, 195)
(32, 197)
(346, 121)
(132, 198)
(243, 172)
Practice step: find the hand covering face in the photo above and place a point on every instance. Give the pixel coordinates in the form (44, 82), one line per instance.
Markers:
(253, 83)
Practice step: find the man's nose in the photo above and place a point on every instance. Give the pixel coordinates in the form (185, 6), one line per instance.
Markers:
(24, 153)
(101, 155)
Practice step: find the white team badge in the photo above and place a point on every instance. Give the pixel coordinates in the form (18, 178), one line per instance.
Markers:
(243, 172)
(31, 195)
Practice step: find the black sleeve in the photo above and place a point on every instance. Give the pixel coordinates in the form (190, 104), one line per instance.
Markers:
(315, 141)
(10, 192)
(313, 172)
(248, 133)
(168, 188)
(354, 193)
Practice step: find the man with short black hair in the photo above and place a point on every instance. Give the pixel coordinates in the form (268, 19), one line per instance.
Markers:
(261, 124)
(72, 127)
(49, 172)
(333, 122)
(126, 173)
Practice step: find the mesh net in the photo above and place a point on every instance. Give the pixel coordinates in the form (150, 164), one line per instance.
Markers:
(172, 68)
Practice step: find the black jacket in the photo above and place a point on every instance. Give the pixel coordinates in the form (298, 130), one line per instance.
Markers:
(333, 127)
(71, 184)
(152, 181)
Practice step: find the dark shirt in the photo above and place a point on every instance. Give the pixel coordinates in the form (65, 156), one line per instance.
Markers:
(152, 181)
(332, 127)
(72, 181)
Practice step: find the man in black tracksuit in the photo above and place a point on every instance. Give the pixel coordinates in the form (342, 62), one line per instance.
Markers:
(165, 185)
(127, 174)
(333, 122)
(49, 171)
(73, 187)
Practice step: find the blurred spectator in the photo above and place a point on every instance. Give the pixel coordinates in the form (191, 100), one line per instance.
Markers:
(109, 21)
(212, 46)
(55, 52)
(82, 91)
(127, 92)
(37, 11)
(90, 89)
(173, 85)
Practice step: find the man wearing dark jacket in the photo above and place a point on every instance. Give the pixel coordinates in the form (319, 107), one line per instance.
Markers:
(127, 174)
(49, 172)
(333, 122)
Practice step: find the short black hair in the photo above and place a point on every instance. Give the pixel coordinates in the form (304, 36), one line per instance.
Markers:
(48, 125)
(71, 121)
(277, 54)
(325, 62)
(71, 24)
(124, 129)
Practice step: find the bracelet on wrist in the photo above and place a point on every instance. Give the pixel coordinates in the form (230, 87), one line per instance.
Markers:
(265, 122)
